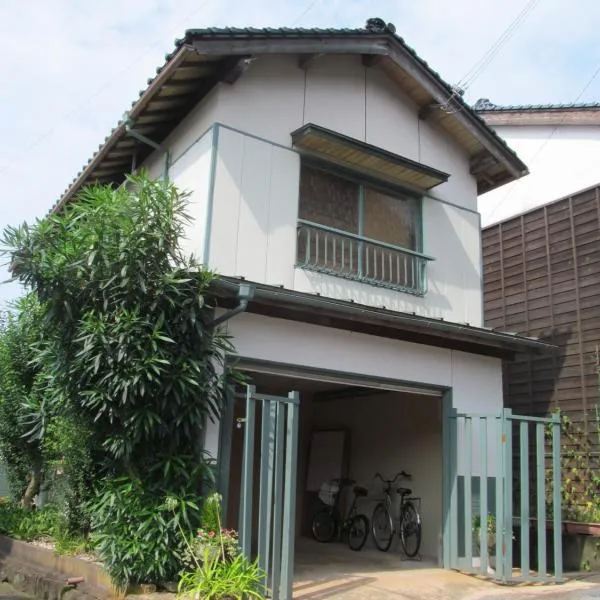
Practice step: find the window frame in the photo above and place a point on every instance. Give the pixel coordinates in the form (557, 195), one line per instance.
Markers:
(363, 181)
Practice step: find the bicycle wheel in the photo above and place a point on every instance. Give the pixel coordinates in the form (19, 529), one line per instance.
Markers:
(358, 532)
(324, 526)
(410, 530)
(383, 527)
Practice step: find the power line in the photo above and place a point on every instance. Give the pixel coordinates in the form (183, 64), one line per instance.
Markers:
(485, 60)
(545, 142)
(86, 101)
(479, 67)
(305, 12)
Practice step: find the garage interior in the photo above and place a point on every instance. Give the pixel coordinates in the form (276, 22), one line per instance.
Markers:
(352, 431)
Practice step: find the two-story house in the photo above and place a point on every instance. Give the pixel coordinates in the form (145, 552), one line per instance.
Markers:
(334, 180)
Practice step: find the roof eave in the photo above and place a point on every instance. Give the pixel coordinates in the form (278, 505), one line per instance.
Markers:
(120, 130)
(310, 308)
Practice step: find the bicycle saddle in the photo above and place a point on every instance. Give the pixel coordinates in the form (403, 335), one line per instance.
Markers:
(360, 491)
(404, 491)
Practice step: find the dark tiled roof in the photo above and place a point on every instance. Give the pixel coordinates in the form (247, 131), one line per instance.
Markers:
(90, 172)
(484, 105)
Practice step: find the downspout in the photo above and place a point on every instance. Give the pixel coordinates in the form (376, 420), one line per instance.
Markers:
(129, 128)
(245, 294)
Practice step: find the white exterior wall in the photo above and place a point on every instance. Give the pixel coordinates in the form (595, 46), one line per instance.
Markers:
(476, 380)
(255, 201)
(562, 160)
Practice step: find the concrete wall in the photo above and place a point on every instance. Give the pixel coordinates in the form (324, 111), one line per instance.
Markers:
(389, 433)
(562, 160)
(255, 201)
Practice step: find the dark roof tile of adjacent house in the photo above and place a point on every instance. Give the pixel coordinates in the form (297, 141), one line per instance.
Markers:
(203, 57)
(484, 105)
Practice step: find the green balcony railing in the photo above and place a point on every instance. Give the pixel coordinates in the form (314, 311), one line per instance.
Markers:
(335, 252)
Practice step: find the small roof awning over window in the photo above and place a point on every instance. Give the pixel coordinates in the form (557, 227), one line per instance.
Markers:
(366, 158)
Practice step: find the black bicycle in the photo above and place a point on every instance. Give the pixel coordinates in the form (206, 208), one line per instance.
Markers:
(327, 522)
(409, 520)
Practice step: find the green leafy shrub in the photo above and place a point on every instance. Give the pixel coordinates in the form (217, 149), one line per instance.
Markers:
(71, 471)
(22, 386)
(214, 579)
(135, 361)
(137, 530)
(28, 525)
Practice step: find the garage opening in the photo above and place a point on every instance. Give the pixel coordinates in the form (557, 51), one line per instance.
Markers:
(350, 428)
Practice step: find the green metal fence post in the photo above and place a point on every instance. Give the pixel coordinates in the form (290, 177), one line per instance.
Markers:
(524, 468)
(556, 479)
(453, 525)
(278, 497)
(500, 476)
(468, 524)
(447, 476)
(289, 515)
(507, 532)
(266, 485)
(248, 468)
(483, 495)
(541, 499)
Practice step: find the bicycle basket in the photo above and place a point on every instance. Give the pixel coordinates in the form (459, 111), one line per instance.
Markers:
(328, 492)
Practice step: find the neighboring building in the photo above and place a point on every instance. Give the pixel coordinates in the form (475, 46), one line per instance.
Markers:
(541, 239)
(559, 143)
(334, 180)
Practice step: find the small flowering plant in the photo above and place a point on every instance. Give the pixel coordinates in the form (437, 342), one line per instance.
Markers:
(212, 541)
(223, 543)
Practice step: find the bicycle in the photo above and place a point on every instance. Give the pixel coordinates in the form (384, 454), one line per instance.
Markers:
(409, 520)
(327, 522)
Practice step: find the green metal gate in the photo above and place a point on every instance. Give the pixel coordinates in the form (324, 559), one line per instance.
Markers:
(502, 514)
(277, 462)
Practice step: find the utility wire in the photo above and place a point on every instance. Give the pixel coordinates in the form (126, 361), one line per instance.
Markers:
(479, 67)
(545, 142)
(85, 103)
(305, 12)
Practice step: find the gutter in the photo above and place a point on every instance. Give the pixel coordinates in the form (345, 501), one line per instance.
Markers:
(351, 309)
(245, 294)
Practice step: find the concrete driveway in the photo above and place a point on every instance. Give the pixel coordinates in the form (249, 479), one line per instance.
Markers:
(333, 572)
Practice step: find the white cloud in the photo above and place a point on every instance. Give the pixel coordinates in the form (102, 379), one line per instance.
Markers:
(72, 68)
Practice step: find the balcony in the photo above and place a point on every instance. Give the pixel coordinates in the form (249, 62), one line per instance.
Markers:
(334, 252)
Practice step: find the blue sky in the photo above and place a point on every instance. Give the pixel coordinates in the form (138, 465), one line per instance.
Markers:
(72, 68)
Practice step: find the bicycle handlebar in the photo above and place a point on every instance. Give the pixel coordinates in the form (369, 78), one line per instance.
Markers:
(402, 474)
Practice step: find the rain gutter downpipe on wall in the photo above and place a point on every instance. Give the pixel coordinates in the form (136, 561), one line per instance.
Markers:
(245, 294)
(129, 128)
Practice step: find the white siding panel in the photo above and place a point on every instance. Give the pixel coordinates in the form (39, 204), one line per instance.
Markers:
(335, 95)
(268, 101)
(226, 202)
(391, 117)
(191, 173)
(439, 151)
(283, 215)
(319, 347)
(253, 230)
(454, 281)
